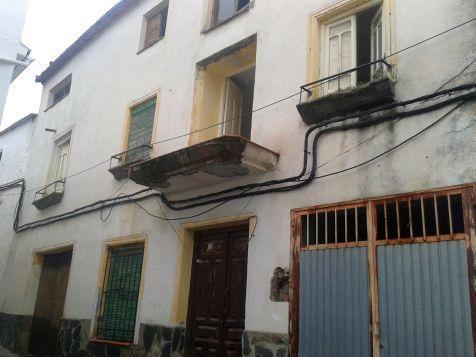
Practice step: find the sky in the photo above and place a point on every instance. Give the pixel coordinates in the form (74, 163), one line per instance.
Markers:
(50, 27)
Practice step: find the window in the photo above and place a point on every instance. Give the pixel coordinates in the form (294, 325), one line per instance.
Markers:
(61, 160)
(224, 91)
(1, 154)
(154, 25)
(141, 125)
(408, 218)
(349, 34)
(120, 293)
(218, 11)
(60, 91)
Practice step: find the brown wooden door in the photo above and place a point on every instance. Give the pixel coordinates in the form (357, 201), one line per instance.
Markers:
(50, 303)
(216, 316)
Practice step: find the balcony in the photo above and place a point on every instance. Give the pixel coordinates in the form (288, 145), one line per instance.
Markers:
(49, 195)
(339, 101)
(120, 163)
(204, 164)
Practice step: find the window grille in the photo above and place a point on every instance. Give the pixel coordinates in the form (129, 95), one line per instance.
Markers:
(119, 298)
(340, 226)
(420, 217)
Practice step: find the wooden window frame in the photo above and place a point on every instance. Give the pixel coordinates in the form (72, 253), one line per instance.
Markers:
(468, 192)
(340, 9)
(62, 85)
(103, 270)
(210, 17)
(62, 139)
(128, 118)
(161, 10)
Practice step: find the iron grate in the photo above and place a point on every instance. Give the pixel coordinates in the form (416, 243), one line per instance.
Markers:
(119, 298)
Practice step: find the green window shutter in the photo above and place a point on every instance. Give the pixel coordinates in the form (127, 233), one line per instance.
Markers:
(140, 131)
(119, 299)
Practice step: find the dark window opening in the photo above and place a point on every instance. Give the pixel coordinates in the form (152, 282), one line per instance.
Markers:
(417, 226)
(351, 237)
(443, 214)
(392, 225)
(404, 215)
(304, 230)
(362, 219)
(331, 227)
(312, 229)
(321, 227)
(457, 213)
(380, 222)
(430, 220)
(60, 91)
(225, 9)
(364, 29)
(341, 226)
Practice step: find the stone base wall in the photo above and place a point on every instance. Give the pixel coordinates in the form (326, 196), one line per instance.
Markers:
(15, 332)
(264, 344)
(154, 341)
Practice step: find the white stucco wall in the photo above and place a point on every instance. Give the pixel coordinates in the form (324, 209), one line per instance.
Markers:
(12, 19)
(14, 144)
(108, 75)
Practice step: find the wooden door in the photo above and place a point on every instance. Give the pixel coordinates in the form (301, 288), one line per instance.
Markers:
(233, 109)
(216, 317)
(50, 303)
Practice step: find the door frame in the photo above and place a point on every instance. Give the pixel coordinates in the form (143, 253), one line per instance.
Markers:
(192, 306)
(468, 192)
(38, 259)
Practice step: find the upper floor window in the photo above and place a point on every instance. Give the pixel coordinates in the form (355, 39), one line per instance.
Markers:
(139, 132)
(60, 164)
(218, 11)
(224, 91)
(154, 25)
(350, 42)
(59, 91)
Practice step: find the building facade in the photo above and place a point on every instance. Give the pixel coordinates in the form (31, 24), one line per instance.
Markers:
(252, 178)
(13, 53)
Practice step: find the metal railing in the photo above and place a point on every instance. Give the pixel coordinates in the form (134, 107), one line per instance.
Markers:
(121, 157)
(54, 187)
(308, 87)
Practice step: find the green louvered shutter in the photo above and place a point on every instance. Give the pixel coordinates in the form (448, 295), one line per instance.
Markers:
(140, 131)
(119, 299)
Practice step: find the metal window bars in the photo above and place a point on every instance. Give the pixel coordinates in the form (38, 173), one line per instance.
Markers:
(56, 187)
(123, 158)
(120, 294)
(342, 226)
(308, 87)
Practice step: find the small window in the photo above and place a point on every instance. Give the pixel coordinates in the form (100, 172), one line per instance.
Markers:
(350, 42)
(221, 10)
(1, 154)
(154, 25)
(120, 293)
(61, 158)
(60, 91)
(139, 135)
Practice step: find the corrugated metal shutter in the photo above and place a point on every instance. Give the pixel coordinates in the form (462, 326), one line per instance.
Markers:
(424, 300)
(120, 296)
(140, 131)
(334, 303)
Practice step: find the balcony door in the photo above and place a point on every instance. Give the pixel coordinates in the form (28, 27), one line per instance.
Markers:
(232, 109)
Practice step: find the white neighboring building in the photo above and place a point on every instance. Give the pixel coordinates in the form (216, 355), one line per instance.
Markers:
(13, 54)
(14, 150)
(377, 246)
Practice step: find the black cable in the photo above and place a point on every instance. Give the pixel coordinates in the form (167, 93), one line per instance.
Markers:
(268, 105)
(326, 123)
(101, 204)
(302, 183)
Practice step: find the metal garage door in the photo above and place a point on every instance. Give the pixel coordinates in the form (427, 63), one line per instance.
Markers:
(424, 300)
(387, 277)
